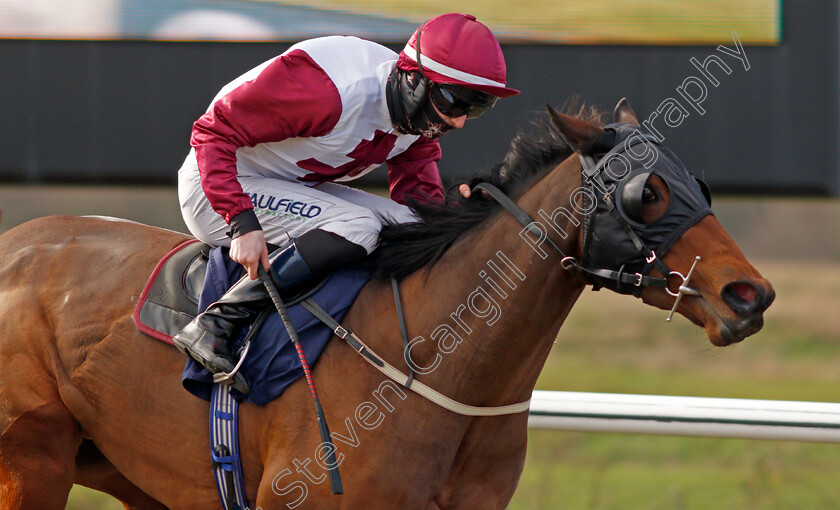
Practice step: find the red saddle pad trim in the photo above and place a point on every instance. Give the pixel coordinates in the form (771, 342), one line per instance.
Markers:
(163, 337)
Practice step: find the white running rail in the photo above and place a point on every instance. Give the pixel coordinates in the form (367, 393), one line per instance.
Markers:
(686, 416)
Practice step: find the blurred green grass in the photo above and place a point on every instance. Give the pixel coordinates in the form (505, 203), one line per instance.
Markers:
(82, 498)
(612, 471)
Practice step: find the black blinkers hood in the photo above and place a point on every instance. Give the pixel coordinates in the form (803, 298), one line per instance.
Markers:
(609, 229)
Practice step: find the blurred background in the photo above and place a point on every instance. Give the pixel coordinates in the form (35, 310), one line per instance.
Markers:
(99, 97)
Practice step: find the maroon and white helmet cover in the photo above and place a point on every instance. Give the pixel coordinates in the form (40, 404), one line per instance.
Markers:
(457, 49)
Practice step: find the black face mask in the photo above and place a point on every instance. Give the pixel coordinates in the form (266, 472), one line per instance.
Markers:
(607, 243)
(411, 111)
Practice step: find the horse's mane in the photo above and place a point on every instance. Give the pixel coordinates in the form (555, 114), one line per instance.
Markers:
(407, 247)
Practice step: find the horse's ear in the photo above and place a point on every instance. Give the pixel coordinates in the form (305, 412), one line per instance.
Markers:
(578, 133)
(624, 114)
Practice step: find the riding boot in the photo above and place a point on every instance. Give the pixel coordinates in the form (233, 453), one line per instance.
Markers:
(206, 338)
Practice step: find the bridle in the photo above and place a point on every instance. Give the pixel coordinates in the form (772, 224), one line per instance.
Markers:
(618, 280)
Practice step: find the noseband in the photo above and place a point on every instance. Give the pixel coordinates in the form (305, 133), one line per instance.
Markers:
(622, 281)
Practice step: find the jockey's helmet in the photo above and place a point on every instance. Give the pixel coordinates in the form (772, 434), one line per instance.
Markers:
(456, 49)
(452, 64)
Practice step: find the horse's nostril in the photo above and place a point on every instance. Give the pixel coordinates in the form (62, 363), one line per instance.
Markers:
(745, 291)
(743, 297)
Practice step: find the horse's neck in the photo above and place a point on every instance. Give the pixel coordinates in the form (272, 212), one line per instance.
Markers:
(494, 293)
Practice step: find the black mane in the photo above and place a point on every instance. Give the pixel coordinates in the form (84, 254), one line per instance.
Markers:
(408, 247)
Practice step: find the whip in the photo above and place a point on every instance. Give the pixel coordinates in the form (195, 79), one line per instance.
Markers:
(335, 477)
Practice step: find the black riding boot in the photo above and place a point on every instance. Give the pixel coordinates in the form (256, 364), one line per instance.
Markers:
(206, 338)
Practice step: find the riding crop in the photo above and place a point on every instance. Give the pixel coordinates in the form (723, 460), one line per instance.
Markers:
(335, 477)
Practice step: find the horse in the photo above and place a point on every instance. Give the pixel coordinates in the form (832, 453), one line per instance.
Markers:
(86, 398)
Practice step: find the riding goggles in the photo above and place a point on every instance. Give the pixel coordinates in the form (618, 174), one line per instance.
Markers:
(457, 101)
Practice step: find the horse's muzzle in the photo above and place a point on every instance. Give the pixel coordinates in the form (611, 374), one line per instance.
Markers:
(749, 300)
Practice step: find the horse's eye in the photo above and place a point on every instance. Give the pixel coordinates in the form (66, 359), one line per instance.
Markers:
(648, 195)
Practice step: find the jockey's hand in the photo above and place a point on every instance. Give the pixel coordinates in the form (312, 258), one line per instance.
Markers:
(466, 192)
(250, 249)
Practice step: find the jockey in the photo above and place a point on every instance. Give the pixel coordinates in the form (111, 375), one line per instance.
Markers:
(268, 155)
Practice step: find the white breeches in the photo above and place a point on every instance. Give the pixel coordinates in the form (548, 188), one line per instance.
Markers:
(287, 210)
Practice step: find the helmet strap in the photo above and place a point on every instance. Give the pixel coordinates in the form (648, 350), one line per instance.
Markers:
(408, 101)
(422, 90)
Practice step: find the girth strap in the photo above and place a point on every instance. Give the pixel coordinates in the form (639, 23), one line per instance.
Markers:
(224, 448)
(393, 373)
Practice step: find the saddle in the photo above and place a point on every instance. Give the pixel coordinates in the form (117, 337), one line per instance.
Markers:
(169, 300)
(194, 273)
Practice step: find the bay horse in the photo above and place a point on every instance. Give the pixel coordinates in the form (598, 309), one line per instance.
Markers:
(86, 398)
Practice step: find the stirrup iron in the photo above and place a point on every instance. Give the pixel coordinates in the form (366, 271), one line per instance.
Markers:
(227, 377)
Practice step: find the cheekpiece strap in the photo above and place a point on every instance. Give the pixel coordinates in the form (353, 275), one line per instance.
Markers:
(624, 280)
(591, 172)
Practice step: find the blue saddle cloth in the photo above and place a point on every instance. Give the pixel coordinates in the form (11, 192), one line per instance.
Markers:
(272, 363)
